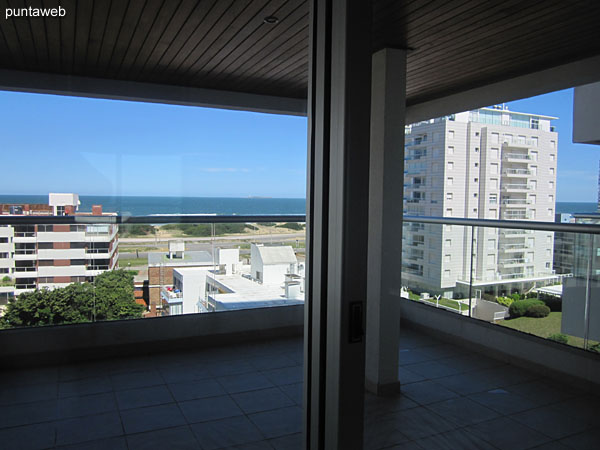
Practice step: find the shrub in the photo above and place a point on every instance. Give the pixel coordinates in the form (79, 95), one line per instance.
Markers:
(291, 226)
(515, 296)
(537, 311)
(6, 279)
(489, 297)
(531, 295)
(554, 303)
(505, 301)
(559, 337)
(594, 348)
(518, 309)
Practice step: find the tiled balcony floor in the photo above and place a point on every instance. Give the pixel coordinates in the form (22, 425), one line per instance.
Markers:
(249, 397)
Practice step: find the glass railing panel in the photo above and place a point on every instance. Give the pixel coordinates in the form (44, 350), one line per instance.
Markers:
(109, 271)
(539, 279)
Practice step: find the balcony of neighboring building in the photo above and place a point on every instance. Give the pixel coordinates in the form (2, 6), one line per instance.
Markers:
(516, 173)
(516, 187)
(514, 202)
(516, 157)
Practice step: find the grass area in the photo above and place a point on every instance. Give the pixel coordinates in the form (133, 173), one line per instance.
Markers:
(133, 262)
(543, 327)
(125, 249)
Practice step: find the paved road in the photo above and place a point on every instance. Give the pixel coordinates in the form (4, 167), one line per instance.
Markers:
(220, 239)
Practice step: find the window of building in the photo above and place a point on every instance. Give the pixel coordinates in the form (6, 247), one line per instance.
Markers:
(494, 168)
(450, 165)
(491, 244)
(493, 213)
(448, 212)
(547, 265)
(533, 170)
(3, 240)
(534, 141)
(476, 164)
(448, 243)
(447, 258)
(494, 183)
(532, 199)
(495, 138)
(60, 210)
(450, 150)
(521, 139)
(476, 149)
(3, 255)
(508, 138)
(475, 210)
(551, 198)
(450, 134)
(45, 228)
(535, 123)
(532, 214)
(494, 153)
(534, 155)
(447, 273)
(550, 212)
(549, 240)
(533, 185)
(493, 199)
(491, 258)
(476, 180)
(552, 156)
(450, 181)
(449, 195)
(551, 185)
(475, 194)
(552, 144)
(477, 133)
(551, 170)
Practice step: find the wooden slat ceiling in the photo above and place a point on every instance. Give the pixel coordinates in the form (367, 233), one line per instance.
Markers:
(225, 44)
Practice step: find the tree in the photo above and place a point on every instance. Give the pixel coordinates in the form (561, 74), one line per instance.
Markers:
(110, 297)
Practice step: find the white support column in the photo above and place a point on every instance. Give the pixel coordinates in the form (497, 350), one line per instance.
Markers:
(385, 220)
(337, 222)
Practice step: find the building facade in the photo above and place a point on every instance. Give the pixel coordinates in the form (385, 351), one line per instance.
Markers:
(51, 256)
(489, 163)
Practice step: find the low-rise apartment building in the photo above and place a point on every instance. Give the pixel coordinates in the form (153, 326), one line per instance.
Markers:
(53, 255)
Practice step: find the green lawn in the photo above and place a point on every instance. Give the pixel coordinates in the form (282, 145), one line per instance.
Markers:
(133, 262)
(542, 327)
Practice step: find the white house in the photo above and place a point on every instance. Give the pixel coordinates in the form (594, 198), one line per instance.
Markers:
(269, 265)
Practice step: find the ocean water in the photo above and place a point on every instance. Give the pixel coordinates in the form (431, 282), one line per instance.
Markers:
(144, 206)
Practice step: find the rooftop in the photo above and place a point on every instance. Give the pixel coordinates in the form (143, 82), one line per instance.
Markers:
(277, 254)
(190, 258)
(452, 398)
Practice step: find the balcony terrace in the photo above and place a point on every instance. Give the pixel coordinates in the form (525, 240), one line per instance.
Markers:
(249, 395)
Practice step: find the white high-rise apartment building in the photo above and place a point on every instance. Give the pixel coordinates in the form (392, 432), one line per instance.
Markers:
(489, 163)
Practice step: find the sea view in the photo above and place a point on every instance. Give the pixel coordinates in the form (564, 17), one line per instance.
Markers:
(144, 206)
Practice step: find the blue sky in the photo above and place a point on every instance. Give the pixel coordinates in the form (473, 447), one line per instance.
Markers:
(103, 147)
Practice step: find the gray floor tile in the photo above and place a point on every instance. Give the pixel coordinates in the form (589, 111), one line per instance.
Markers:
(406, 446)
(89, 428)
(286, 375)
(412, 356)
(454, 440)
(383, 433)
(588, 440)
(151, 418)
(178, 438)
(443, 351)
(28, 413)
(132, 380)
(470, 361)
(406, 376)
(289, 442)
(432, 369)
(553, 445)
(191, 390)
(10, 395)
(226, 432)
(29, 437)
(262, 400)
(425, 392)
(294, 391)
(468, 383)
(271, 362)
(226, 368)
(86, 386)
(503, 401)
(87, 405)
(211, 408)
(507, 434)
(551, 422)
(116, 443)
(182, 373)
(417, 423)
(74, 372)
(261, 445)
(148, 396)
(462, 411)
(278, 422)
(376, 406)
(27, 377)
(244, 382)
